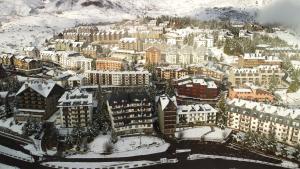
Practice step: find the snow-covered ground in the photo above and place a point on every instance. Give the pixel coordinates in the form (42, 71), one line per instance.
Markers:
(289, 99)
(125, 147)
(6, 123)
(219, 53)
(206, 133)
(4, 166)
(15, 154)
(291, 39)
(92, 165)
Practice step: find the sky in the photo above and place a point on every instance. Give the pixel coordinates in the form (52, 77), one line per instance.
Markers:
(286, 12)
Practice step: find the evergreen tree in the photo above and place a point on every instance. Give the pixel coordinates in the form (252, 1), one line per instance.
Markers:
(273, 83)
(222, 111)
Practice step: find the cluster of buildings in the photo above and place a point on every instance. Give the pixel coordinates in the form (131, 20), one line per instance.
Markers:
(80, 61)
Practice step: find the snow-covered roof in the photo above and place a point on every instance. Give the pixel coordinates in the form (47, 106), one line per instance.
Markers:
(211, 85)
(3, 94)
(76, 97)
(42, 87)
(197, 108)
(117, 72)
(199, 81)
(242, 90)
(128, 40)
(77, 77)
(265, 108)
(165, 100)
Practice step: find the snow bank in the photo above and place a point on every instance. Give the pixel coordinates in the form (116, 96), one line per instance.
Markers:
(92, 165)
(15, 154)
(125, 147)
(206, 133)
(14, 127)
(3, 166)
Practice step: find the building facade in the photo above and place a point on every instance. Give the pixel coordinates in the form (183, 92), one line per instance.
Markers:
(265, 119)
(112, 64)
(118, 78)
(197, 114)
(196, 87)
(260, 76)
(153, 56)
(251, 93)
(170, 72)
(37, 99)
(130, 113)
(76, 108)
(250, 60)
(167, 107)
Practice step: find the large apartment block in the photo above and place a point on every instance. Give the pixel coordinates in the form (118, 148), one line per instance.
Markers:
(37, 99)
(76, 107)
(130, 112)
(260, 75)
(265, 119)
(118, 78)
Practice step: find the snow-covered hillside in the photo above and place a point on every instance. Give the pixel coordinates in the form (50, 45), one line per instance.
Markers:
(31, 21)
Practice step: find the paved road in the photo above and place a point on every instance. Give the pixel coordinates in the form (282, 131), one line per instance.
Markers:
(183, 164)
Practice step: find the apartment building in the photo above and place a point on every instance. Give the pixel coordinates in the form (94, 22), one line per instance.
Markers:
(153, 55)
(118, 78)
(250, 60)
(196, 87)
(260, 75)
(211, 71)
(27, 65)
(134, 44)
(251, 92)
(109, 36)
(130, 112)
(170, 72)
(73, 60)
(112, 64)
(76, 108)
(185, 55)
(7, 59)
(265, 119)
(167, 114)
(37, 99)
(198, 114)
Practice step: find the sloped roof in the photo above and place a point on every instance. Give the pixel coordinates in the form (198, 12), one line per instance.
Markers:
(42, 87)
